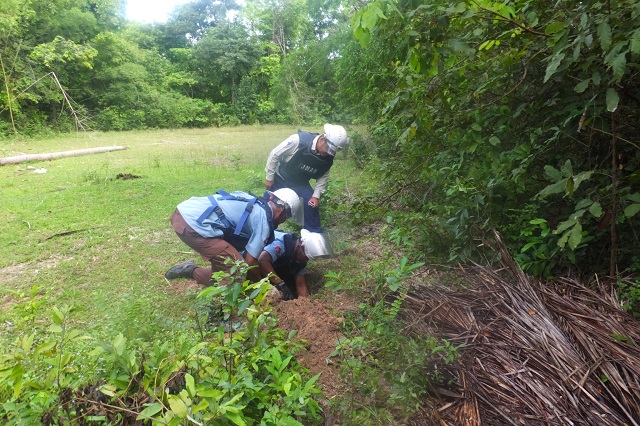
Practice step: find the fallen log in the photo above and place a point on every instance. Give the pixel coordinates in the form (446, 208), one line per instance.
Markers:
(53, 155)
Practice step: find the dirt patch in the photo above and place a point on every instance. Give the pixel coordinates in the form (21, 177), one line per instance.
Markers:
(319, 329)
(29, 269)
(7, 301)
(182, 287)
(127, 176)
(20, 275)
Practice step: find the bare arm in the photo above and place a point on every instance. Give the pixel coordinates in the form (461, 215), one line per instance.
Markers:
(301, 286)
(254, 273)
(321, 185)
(266, 267)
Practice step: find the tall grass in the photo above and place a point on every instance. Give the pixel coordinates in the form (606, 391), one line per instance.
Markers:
(78, 235)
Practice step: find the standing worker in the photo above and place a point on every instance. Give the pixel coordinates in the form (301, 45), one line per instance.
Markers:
(301, 157)
(221, 225)
(284, 261)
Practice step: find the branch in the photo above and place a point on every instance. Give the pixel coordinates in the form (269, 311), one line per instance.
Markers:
(516, 23)
(60, 234)
(6, 85)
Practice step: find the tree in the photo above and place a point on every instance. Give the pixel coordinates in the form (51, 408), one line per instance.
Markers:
(490, 101)
(223, 57)
(189, 22)
(46, 57)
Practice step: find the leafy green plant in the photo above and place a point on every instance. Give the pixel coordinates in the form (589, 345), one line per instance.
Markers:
(361, 148)
(537, 255)
(240, 377)
(629, 291)
(382, 364)
(27, 306)
(235, 160)
(566, 182)
(37, 370)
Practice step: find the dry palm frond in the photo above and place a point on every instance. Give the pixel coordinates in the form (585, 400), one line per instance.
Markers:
(534, 353)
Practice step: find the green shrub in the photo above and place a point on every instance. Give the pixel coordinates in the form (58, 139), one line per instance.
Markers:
(244, 376)
(388, 371)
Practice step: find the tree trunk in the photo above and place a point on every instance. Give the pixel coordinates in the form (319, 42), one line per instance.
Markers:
(51, 156)
(614, 203)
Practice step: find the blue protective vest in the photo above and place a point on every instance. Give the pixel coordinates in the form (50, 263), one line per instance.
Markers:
(287, 267)
(233, 232)
(304, 164)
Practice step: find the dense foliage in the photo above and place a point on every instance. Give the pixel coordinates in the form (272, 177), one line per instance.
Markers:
(244, 376)
(79, 64)
(520, 116)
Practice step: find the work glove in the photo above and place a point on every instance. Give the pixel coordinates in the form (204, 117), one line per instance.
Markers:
(286, 292)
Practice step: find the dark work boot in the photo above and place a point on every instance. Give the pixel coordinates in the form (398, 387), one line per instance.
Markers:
(181, 270)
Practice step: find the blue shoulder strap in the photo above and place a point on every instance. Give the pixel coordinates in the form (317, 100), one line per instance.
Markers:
(226, 222)
(214, 207)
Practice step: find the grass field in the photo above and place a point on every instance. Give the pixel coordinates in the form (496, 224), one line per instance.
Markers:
(80, 236)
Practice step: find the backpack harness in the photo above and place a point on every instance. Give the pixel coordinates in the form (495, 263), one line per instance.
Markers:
(215, 207)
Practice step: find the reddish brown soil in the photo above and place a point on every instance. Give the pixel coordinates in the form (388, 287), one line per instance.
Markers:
(319, 330)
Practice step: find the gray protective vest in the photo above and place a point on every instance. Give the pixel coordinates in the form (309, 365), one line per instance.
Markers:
(304, 164)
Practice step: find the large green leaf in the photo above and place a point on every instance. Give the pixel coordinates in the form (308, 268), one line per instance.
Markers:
(58, 316)
(555, 188)
(631, 210)
(552, 173)
(634, 197)
(619, 66)
(371, 16)
(596, 209)
(553, 66)
(554, 27)
(563, 226)
(634, 43)
(575, 236)
(581, 177)
(582, 86)
(178, 406)
(604, 35)
(612, 99)
(150, 411)
(567, 169)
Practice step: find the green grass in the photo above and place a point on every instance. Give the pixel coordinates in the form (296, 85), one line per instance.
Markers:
(81, 237)
(78, 237)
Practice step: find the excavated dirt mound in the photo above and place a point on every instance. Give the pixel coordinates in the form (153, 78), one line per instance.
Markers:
(319, 330)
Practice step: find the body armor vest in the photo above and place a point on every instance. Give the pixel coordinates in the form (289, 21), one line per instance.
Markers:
(304, 164)
(287, 267)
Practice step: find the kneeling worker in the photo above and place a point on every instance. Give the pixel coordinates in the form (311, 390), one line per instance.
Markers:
(286, 260)
(221, 225)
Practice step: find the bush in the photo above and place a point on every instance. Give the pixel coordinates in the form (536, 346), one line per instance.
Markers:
(207, 377)
(388, 370)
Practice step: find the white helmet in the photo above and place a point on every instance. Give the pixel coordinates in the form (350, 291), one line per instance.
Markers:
(315, 245)
(336, 136)
(292, 204)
